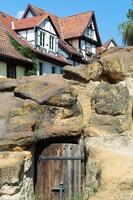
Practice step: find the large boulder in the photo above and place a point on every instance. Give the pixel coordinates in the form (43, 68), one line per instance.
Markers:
(110, 99)
(38, 108)
(114, 65)
(16, 171)
(111, 110)
(109, 164)
(83, 73)
(117, 63)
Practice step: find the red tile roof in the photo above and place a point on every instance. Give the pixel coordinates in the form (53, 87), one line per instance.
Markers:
(55, 19)
(69, 48)
(68, 27)
(29, 22)
(7, 49)
(38, 11)
(74, 26)
(6, 21)
(35, 10)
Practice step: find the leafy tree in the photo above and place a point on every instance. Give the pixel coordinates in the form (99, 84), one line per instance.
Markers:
(126, 29)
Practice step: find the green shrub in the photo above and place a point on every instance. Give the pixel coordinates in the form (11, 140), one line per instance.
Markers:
(26, 52)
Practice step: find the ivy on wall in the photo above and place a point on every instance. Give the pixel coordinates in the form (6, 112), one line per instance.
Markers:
(26, 52)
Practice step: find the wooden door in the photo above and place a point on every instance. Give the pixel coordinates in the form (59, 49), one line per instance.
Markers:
(59, 172)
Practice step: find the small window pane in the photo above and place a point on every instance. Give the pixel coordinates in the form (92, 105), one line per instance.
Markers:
(53, 70)
(51, 42)
(42, 39)
(11, 71)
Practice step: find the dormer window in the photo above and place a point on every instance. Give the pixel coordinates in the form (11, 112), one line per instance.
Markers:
(42, 39)
(51, 42)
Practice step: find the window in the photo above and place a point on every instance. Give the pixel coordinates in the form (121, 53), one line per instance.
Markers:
(42, 39)
(11, 71)
(51, 42)
(40, 68)
(53, 70)
(61, 71)
(90, 31)
(88, 48)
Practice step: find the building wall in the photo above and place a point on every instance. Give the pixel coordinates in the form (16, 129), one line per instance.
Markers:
(2, 69)
(47, 68)
(86, 46)
(111, 45)
(47, 28)
(93, 36)
(74, 43)
(20, 70)
(29, 35)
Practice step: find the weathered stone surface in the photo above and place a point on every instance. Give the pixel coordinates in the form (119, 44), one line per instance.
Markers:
(37, 110)
(105, 124)
(17, 139)
(8, 103)
(8, 84)
(108, 168)
(83, 73)
(110, 99)
(67, 98)
(24, 120)
(16, 176)
(114, 65)
(41, 90)
(117, 63)
(111, 110)
(11, 171)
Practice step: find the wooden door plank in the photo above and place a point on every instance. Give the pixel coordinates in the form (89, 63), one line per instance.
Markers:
(76, 151)
(52, 172)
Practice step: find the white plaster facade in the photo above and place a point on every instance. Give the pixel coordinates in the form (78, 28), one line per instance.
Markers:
(44, 38)
(85, 44)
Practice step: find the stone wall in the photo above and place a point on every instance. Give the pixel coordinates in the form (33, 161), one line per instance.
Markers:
(16, 175)
(93, 102)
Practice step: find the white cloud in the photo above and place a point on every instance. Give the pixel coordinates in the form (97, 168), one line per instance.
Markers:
(20, 14)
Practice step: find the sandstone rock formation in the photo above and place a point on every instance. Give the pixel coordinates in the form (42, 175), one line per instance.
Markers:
(39, 108)
(93, 102)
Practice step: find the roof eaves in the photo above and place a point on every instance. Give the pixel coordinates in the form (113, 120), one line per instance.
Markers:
(89, 21)
(16, 58)
(55, 58)
(74, 51)
(97, 31)
(41, 20)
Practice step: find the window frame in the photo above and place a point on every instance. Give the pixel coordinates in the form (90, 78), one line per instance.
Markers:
(11, 71)
(42, 38)
(53, 70)
(90, 31)
(51, 42)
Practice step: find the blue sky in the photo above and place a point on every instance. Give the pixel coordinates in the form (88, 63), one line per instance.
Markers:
(109, 14)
